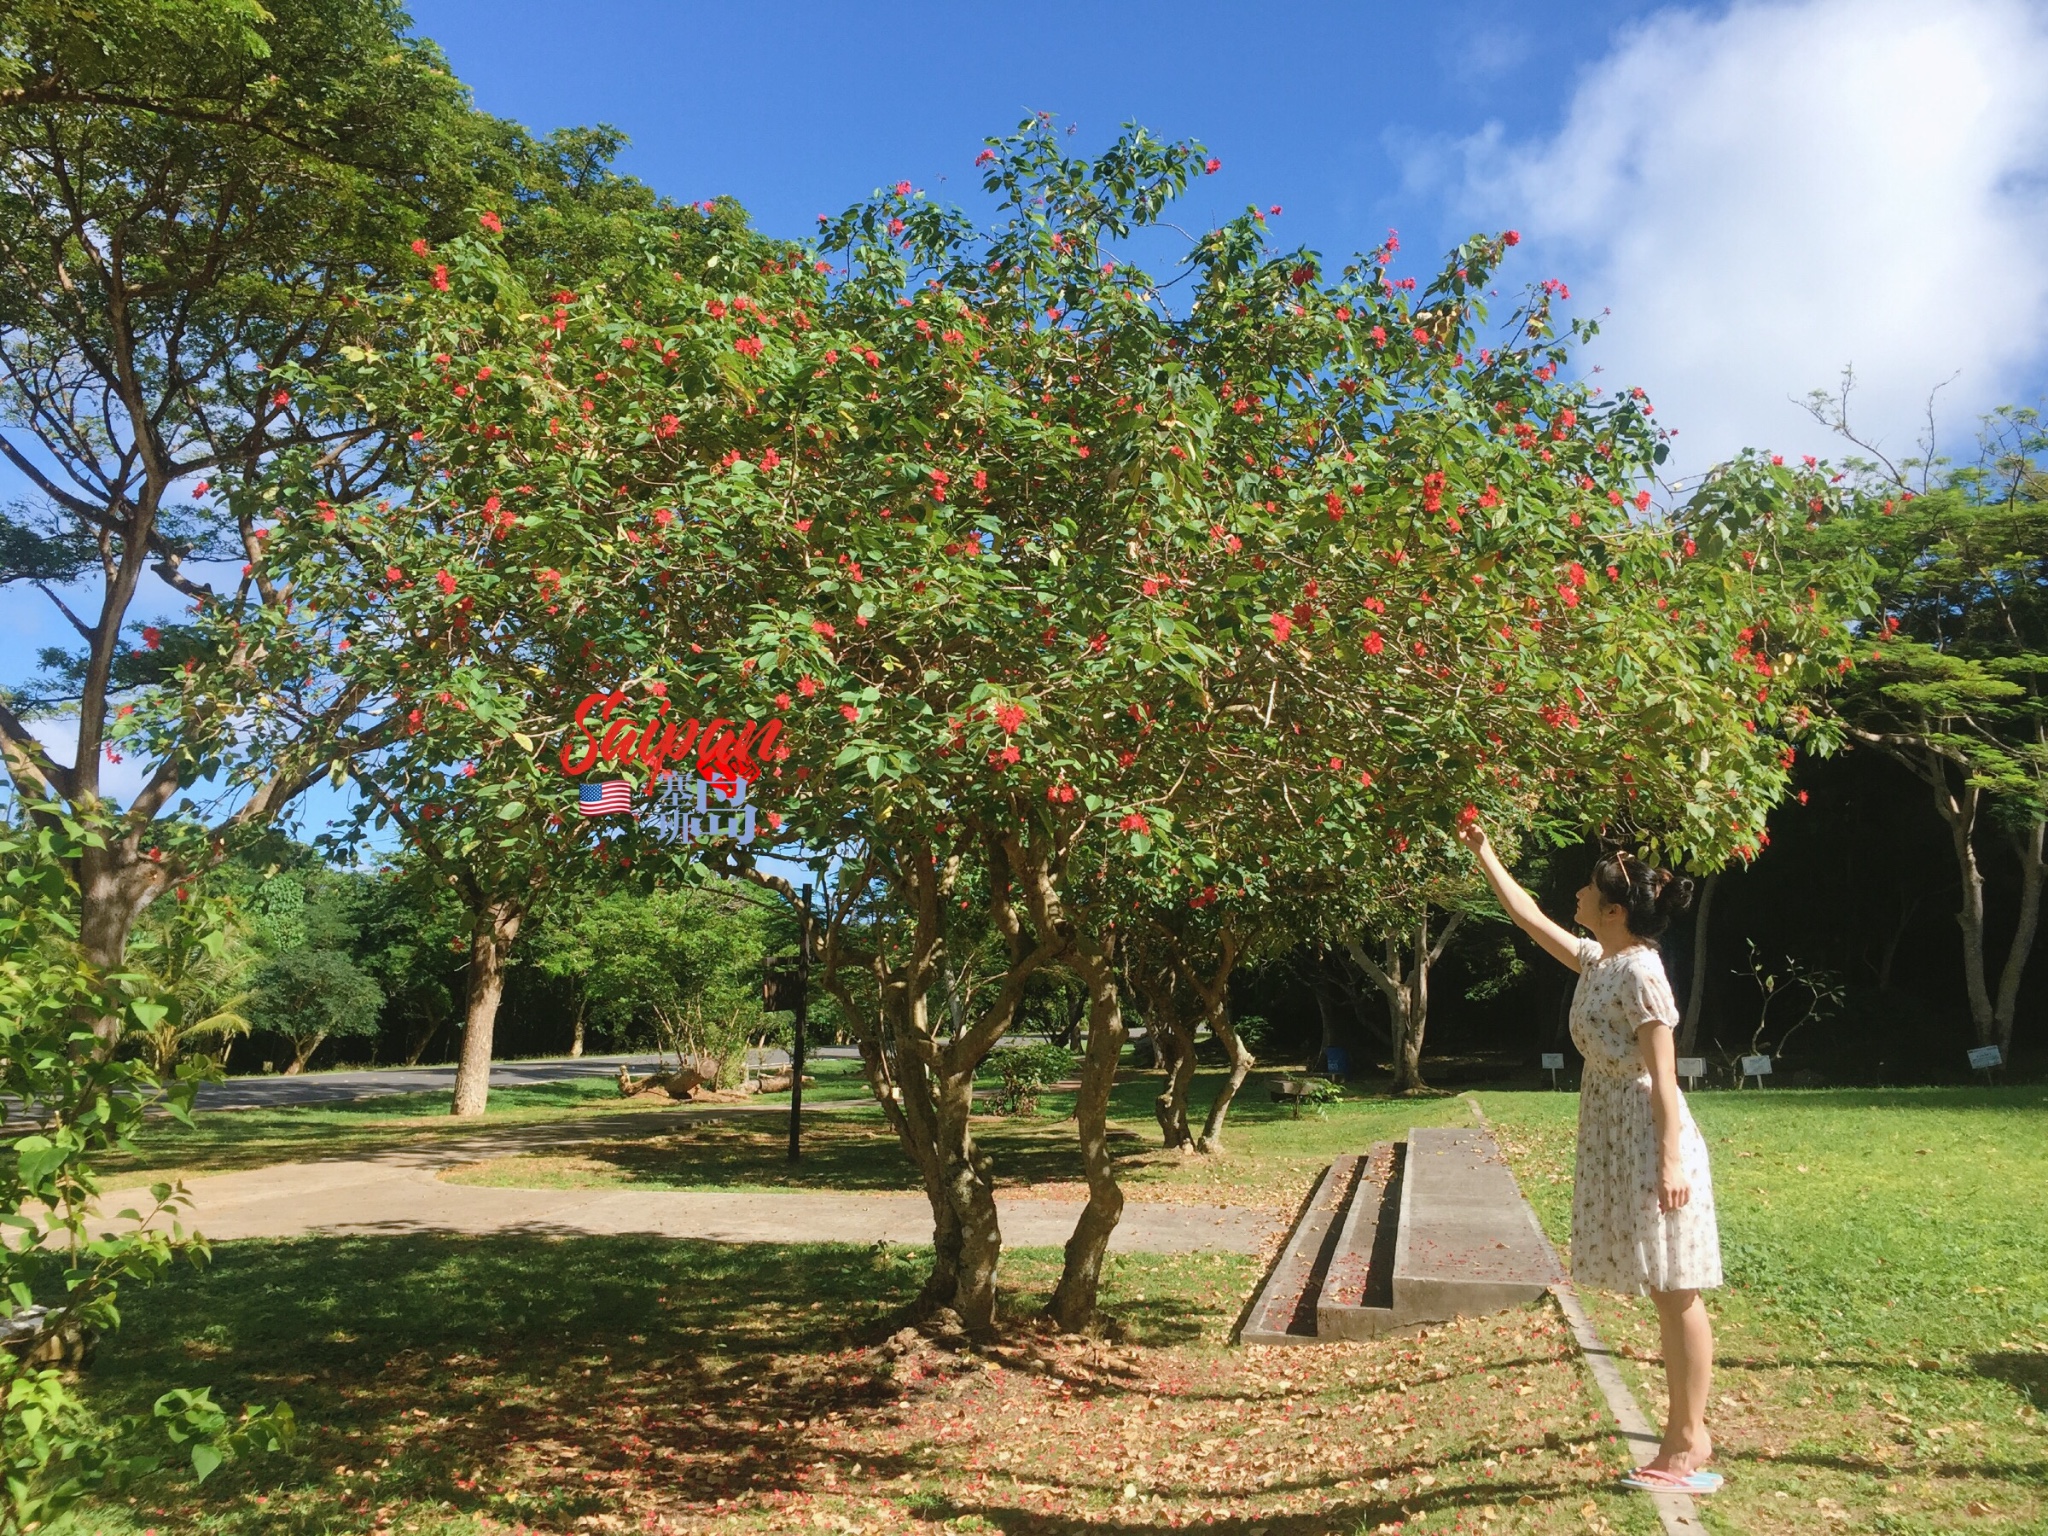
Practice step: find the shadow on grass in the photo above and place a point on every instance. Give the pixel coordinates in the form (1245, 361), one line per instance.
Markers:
(2026, 1373)
(522, 1377)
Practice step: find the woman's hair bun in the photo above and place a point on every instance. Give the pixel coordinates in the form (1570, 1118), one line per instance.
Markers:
(1650, 897)
(1674, 893)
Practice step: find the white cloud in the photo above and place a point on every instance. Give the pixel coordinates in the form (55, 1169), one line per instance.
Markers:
(1763, 196)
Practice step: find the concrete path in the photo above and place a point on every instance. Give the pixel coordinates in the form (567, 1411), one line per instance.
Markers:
(400, 1193)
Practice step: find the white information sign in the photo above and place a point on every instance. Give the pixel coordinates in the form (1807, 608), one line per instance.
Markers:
(1756, 1066)
(1692, 1066)
(1985, 1057)
(1553, 1061)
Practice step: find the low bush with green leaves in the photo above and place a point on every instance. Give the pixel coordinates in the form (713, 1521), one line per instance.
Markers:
(1023, 1072)
(71, 1099)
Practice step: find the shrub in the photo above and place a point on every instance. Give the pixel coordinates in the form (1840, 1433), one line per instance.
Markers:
(1026, 1071)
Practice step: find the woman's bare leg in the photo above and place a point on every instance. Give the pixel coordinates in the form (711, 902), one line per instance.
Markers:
(1688, 1372)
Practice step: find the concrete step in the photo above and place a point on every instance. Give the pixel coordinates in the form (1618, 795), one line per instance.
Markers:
(1405, 1234)
(1284, 1312)
(1468, 1242)
(1357, 1298)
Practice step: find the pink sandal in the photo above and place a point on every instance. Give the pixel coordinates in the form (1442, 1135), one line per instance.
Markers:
(1698, 1482)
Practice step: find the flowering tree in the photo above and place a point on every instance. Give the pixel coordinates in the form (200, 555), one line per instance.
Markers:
(1070, 599)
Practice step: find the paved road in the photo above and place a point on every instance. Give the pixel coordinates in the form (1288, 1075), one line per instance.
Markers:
(402, 1192)
(274, 1092)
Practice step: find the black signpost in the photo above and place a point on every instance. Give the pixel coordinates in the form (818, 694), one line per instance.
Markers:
(803, 1008)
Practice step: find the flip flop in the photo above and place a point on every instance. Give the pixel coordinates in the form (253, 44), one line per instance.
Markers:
(1697, 1482)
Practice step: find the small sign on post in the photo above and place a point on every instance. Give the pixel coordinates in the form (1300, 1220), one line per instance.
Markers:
(1692, 1069)
(1983, 1058)
(1553, 1063)
(1758, 1067)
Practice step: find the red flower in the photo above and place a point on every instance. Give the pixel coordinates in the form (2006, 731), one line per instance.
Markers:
(419, 247)
(1010, 717)
(152, 636)
(441, 278)
(444, 581)
(849, 711)
(770, 459)
(747, 346)
(1642, 501)
(1283, 626)
(1374, 644)
(1512, 237)
(820, 627)
(782, 701)
(1379, 336)
(393, 573)
(903, 189)
(491, 222)
(280, 399)
(1211, 166)
(1468, 815)
(806, 686)
(1335, 504)
(1134, 823)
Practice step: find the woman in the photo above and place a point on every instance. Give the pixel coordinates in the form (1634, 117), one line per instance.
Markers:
(1642, 1197)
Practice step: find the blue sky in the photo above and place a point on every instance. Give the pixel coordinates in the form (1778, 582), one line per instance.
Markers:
(1756, 195)
(1306, 104)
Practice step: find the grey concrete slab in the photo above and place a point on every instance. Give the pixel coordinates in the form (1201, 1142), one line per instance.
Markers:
(1468, 1242)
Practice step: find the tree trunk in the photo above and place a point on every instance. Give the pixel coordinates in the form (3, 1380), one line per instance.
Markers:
(1959, 812)
(2028, 845)
(924, 1141)
(1696, 986)
(1173, 1045)
(1241, 1063)
(490, 943)
(576, 1039)
(422, 1039)
(1332, 1037)
(302, 1052)
(113, 889)
(1171, 1107)
(971, 1193)
(1406, 989)
(1073, 1300)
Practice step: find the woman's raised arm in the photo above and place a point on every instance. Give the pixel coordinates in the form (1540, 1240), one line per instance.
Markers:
(1518, 903)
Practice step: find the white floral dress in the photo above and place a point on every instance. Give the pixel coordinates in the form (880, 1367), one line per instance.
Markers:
(1621, 1241)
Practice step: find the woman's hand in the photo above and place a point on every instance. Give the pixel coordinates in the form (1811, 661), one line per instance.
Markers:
(1472, 835)
(1674, 1189)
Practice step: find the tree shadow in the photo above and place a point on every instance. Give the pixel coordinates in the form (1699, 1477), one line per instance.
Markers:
(2025, 1371)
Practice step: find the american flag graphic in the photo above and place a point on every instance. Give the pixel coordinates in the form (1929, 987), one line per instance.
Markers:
(611, 799)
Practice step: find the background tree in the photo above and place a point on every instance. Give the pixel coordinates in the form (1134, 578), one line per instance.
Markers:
(1949, 671)
(192, 198)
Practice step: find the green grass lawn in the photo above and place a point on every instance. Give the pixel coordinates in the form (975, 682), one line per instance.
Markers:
(1883, 1337)
(1883, 1344)
(224, 1141)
